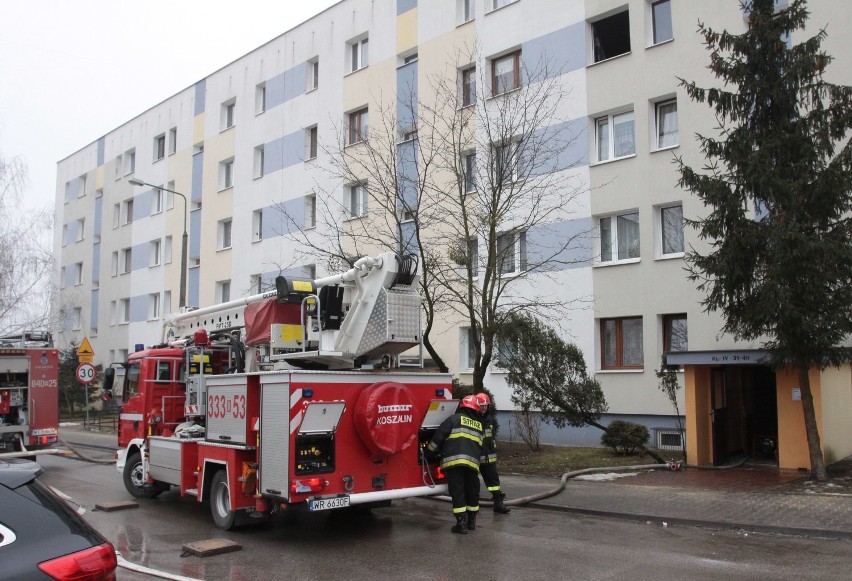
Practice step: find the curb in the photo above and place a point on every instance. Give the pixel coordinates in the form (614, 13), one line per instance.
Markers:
(764, 529)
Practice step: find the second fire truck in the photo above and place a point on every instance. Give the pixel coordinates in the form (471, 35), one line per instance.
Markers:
(286, 399)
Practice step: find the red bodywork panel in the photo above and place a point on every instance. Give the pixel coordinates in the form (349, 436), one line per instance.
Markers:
(33, 375)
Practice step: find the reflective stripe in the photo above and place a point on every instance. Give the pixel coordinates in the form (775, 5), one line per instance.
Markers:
(130, 417)
(473, 509)
(459, 462)
(459, 510)
(476, 439)
(493, 489)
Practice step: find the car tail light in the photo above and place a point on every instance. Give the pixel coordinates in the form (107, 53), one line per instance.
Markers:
(304, 485)
(95, 564)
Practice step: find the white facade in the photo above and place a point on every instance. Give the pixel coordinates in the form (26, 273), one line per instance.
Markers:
(238, 145)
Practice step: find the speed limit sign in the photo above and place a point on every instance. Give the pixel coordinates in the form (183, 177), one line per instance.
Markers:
(86, 373)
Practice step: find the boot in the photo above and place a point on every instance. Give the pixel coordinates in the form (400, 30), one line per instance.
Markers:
(499, 507)
(471, 520)
(461, 524)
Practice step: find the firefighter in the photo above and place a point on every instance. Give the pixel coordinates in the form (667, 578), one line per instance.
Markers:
(458, 440)
(488, 461)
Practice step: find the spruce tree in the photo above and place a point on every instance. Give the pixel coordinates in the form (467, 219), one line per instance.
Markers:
(777, 184)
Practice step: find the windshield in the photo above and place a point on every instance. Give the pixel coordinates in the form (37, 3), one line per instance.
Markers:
(131, 382)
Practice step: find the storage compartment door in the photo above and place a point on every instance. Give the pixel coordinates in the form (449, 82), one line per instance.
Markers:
(273, 472)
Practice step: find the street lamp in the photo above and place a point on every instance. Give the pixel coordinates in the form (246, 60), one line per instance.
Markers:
(183, 250)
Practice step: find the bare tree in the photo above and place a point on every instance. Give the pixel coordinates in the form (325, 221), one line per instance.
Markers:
(478, 185)
(26, 259)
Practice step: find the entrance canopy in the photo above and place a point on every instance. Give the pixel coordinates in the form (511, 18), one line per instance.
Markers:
(733, 357)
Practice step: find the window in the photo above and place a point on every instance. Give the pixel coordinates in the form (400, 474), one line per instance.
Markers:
(170, 198)
(130, 161)
(226, 174)
(113, 313)
(124, 311)
(153, 306)
(77, 318)
(671, 230)
(154, 253)
(611, 36)
(666, 122)
(409, 58)
(128, 211)
(257, 226)
(167, 301)
(156, 201)
(468, 345)
(160, 147)
(114, 264)
(495, 4)
(357, 200)
(357, 126)
(313, 74)
(224, 234)
(506, 73)
(164, 372)
(661, 18)
(223, 291)
(358, 55)
(258, 161)
(260, 98)
(615, 136)
(78, 273)
(310, 211)
(512, 252)
(81, 186)
(473, 255)
(468, 83)
(675, 333)
(506, 348)
(81, 228)
(228, 112)
(167, 250)
(409, 133)
(621, 343)
(126, 264)
(118, 168)
(507, 163)
(470, 173)
(619, 237)
(172, 140)
(313, 142)
(466, 11)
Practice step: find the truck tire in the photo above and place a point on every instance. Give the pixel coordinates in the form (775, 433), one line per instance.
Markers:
(220, 502)
(133, 481)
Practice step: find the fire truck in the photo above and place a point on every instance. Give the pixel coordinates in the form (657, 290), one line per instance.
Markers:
(29, 394)
(289, 399)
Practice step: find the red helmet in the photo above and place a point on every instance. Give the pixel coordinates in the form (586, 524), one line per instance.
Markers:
(483, 401)
(470, 402)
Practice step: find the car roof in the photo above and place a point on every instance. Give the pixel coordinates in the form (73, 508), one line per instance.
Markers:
(15, 472)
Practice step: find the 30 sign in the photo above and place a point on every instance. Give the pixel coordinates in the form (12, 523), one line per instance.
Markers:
(85, 373)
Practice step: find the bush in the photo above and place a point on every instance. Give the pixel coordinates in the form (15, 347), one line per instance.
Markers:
(625, 437)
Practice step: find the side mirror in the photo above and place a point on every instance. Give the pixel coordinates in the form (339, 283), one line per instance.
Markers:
(109, 377)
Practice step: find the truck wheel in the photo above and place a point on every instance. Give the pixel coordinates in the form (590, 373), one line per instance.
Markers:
(134, 480)
(220, 502)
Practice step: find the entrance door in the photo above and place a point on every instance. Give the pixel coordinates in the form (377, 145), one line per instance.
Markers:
(719, 412)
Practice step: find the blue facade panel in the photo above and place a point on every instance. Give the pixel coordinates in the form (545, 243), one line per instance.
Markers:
(283, 219)
(192, 293)
(200, 96)
(139, 256)
(197, 176)
(284, 152)
(287, 85)
(403, 6)
(408, 238)
(406, 99)
(554, 54)
(138, 308)
(561, 245)
(99, 210)
(569, 142)
(93, 316)
(407, 176)
(142, 205)
(101, 149)
(96, 262)
(195, 234)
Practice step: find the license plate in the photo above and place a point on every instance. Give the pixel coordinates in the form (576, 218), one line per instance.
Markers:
(328, 503)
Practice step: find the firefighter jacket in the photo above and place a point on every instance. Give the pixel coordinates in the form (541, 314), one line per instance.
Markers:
(458, 440)
(489, 444)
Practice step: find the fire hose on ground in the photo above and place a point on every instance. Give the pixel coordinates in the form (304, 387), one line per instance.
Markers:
(85, 458)
(563, 481)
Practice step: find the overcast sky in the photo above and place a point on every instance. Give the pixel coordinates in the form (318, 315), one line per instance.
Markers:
(72, 70)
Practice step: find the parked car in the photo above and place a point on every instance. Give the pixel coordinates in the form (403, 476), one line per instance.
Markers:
(41, 536)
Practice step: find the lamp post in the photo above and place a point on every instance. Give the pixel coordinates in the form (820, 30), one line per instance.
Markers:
(183, 249)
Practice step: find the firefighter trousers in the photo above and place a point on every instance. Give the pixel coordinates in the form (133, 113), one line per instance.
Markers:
(490, 476)
(463, 485)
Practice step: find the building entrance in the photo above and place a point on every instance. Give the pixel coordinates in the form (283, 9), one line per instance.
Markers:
(744, 412)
